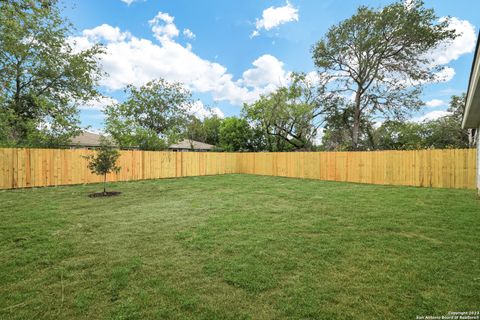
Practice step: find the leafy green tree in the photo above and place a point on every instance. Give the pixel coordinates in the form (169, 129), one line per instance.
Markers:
(447, 132)
(399, 135)
(6, 130)
(195, 130)
(211, 127)
(457, 108)
(380, 58)
(337, 133)
(337, 129)
(43, 78)
(290, 116)
(128, 134)
(207, 131)
(151, 117)
(236, 135)
(260, 142)
(104, 162)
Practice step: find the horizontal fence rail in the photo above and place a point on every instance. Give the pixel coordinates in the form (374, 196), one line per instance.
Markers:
(453, 168)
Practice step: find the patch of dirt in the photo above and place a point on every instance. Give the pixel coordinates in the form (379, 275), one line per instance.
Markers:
(102, 194)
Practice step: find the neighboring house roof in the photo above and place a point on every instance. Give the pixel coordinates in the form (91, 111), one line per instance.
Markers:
(471, 118)
(86, 139)
(191, 144)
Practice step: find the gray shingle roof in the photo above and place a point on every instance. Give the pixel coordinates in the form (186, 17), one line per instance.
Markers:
(86, 139)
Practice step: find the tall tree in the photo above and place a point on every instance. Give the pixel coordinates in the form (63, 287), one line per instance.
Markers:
(291, 116)
(237, 135)
(337, 134)
(43, 78)
(380, 58)
(152, 115)
(207, 131)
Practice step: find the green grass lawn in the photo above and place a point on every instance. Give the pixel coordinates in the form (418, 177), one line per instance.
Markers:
(238, 247)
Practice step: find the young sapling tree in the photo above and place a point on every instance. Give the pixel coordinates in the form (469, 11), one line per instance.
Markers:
(104, 162)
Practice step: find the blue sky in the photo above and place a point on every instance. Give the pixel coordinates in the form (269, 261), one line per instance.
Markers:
(229, 52)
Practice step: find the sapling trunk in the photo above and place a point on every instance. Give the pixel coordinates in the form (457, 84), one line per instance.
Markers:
(105, 184)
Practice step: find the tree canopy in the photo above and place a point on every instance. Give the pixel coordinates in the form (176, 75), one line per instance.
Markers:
(206, 130)
(380, 58)
(441, 133)
(291, 115)
(44, 79)
(151, 116)
(237, 135)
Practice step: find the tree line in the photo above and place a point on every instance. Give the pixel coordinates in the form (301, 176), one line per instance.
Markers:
(370, 72)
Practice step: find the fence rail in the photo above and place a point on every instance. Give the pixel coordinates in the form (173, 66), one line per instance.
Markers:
(454, 168)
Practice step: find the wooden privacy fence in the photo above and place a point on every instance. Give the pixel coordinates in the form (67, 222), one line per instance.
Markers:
(454, 168)
(20, 168)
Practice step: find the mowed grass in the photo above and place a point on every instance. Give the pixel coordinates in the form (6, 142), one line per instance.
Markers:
(238, 247)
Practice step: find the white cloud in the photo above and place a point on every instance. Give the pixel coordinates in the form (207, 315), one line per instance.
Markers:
(445, 75)
(188, 33)
(273, 17)
(129, 2)
(163, 27)
(314, 77)
(433, 115)
(107, 33)
(451, 50)
(96, 130)
(199, 110)
(267, 75)
(99, 104)
(268, 71)
(132, 60)
(435, 103)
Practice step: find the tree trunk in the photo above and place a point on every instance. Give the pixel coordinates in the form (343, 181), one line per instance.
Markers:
(104, 184)
(18, 74)
(18, 132)
(356, 120)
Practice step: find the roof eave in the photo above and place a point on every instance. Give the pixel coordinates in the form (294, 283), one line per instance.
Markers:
(471, 118)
